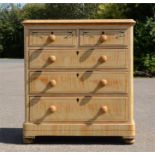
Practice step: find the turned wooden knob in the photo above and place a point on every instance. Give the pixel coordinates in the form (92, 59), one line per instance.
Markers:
(103, 37)
(53, 108)
(52, 37)
(52, 58)
(53, 83)
(104, 109)
(103, 58)
(104, 82)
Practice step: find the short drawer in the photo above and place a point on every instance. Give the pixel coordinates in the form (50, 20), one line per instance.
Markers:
(89, 58)
(78, 82)
(83, 109)
(44, 38)
(103, 37)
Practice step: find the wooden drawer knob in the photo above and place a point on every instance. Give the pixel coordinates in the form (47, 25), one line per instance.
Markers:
(52, 37)
(104, 109)
(103, 38)
(103, 58)
(52, 58)
(53, 108)
(53, 83)
(104, 82)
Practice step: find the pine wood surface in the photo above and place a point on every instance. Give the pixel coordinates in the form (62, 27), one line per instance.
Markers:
(89, 58)
(78, 82)
(78, 78)
(90, 21)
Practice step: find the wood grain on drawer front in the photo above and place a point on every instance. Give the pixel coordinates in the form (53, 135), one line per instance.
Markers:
(85, 109)
(89, 58)
(78, 82)
(61, 38)
(93, 37)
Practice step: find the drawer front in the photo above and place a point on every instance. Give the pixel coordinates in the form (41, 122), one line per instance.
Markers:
(86, 109)
(78, 82)
(103, 37)
(54, 38)
(92, 58)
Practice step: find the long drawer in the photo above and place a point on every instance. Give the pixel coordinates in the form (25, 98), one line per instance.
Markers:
(84, 109)
(89, 58)
(78, 82)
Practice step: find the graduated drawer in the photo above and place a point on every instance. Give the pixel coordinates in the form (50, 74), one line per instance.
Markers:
(44, 38)
(89, 58)
(85, 109)
(103, 37)
(78, 82)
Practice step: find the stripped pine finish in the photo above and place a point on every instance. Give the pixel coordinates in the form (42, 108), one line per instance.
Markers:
(78, 82)
(90, 58)
(78, 78)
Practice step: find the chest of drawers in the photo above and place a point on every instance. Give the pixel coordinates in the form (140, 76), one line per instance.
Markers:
(78, 78)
